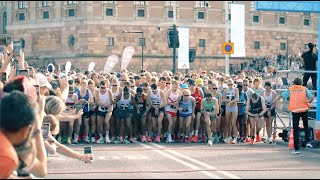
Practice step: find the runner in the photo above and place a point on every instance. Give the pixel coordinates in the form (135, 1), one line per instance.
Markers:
(269, 96)
(71, 101)
(171, 109)
(104, 112)
(242, 117)
(210, 110)
(158, 102)
(255, 109)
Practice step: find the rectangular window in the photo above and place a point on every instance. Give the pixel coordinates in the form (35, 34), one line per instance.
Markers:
(282, 20)
(109, 12)
(45, 3)
(45, 15)
(200, 15)
(71, 2)
(229, 17)
(283, 46)
(71, 12)
(170, 14)
(109, 2)
(202, 43)
(306, 22)
(22, 16)
(256, 18)
(306, 14)
(140, 12)
(170, 3)
(110, 41)
(143, 3)
(22, 4)
(256, 45)
(201, 4)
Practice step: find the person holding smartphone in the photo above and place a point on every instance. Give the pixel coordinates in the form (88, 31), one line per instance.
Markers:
(53, 146)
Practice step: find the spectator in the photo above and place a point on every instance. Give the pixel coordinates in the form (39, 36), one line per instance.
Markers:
(310, 64)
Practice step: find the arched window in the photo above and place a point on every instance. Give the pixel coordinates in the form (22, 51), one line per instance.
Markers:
(4, 23)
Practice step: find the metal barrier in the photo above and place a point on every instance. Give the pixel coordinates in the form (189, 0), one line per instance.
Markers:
(291, 74)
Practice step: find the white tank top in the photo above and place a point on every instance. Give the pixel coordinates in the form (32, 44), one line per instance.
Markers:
(104, 99)
(156, 98)
(123, 104)
(115, 94)
(172, 98)
(268, 99)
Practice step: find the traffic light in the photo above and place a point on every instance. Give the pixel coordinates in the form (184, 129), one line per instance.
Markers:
(173, 38)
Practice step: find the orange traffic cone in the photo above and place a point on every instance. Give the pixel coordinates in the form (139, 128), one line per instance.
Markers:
(291, 140)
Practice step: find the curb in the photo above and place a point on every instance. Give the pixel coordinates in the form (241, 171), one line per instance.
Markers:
(283, 143)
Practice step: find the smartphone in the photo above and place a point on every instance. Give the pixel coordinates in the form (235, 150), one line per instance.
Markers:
(87, 149)
(55, 83)
(16, 48)
(78, 107)
(30, 72)
(45, 130)
(24, 72)
(4, 77)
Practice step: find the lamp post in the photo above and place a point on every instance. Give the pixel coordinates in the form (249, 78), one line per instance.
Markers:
(142, 43)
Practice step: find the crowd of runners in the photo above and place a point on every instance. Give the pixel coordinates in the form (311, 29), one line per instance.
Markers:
(127, 107)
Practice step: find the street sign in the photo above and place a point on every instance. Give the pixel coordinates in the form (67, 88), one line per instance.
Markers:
(228, 48)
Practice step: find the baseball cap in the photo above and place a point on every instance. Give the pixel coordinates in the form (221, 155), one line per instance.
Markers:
(43, 81)
(199, 81)
(184, 86)
(239, 81)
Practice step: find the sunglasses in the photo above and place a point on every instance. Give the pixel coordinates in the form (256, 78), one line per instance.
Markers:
(168, 83)
(114, 85)
(230, 84)
(102, 87)
(71, 92)
(250, 81)
(123, 80)
(132, 86)
(214, 88)
(186, 95)
(245, 84)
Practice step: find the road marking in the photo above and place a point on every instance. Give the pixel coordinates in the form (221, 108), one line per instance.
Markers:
(108, 157)
(207, 173)
(136, 157)
(198, 162)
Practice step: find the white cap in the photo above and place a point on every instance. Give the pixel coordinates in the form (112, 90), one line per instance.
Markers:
(43, 81)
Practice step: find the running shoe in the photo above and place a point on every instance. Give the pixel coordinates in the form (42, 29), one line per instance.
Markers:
(209, 142)
(93, 140)
(252, 141)
(234, 141)
(204, 138)
(195, 138)
(247, 140)
(121, 139)
(107, 139)
(59, 139)
(258, 138)
(116, 141)
(133, 140)
(149, 139)
(190, 139)
(182, 139)
(270, 141)
(87, 139)
(144, 139)
(295, 152)
(216, 139)
(309, 145)
(177, 138)
(100, 141)
(113, 139)
(157, 139)
(75, 140)
(126, 141)
(169, 139)
(69, 140)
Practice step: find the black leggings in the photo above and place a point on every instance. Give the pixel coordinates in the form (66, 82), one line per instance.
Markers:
(242, 120)
(296, 119)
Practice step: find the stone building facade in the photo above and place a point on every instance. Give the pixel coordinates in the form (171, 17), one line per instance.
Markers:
(97, 28)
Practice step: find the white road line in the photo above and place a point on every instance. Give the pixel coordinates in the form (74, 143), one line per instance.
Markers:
(198, 162)
(207, 173)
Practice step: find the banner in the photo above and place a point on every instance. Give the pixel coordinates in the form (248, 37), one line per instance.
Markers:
(126, 57)
(111, 62)
(237, 29)
(91, 66)
(183, 50)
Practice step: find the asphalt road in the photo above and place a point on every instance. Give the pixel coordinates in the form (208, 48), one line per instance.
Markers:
(188, 161)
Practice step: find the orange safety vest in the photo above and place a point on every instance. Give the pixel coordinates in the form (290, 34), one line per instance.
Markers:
(298, 99)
